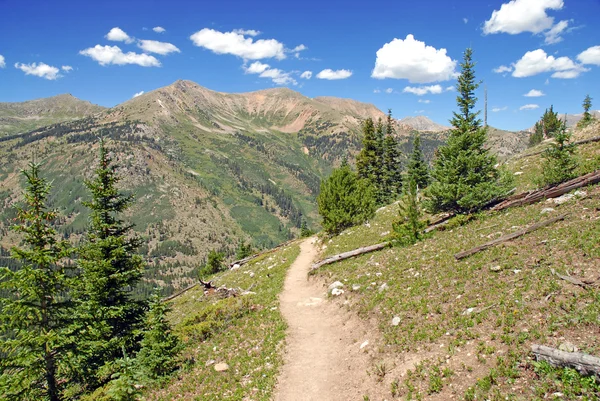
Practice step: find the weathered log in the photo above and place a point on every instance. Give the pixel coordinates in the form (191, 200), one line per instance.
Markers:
(526, 198)
(349, 254)
(585, 364)
(572, 280)
(242, 262)
(170, 297)
(508, 237)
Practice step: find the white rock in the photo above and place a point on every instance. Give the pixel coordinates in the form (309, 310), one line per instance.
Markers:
(468, 311)
(337, 284)
(395, 321)
(496, 268)
(383, 234)
(364, 344)
(547, 210)
(235, 267)
(337, 291)
(562, 199)
(209, 362)
(518, 172)
(221, 367)
(383, 287)
(368, 225)
(355, 287)
(580, 194)
(517, 271)
(251, 274)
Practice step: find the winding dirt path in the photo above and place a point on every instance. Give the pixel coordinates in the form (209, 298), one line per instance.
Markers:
(323, 359)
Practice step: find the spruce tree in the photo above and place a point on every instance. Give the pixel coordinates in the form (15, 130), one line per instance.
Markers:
(408, 228)
(538, 134)
(464, 176)
(35, 315)
(587, 117)
(559, 163)
(110, 269)
(345, 200)
(391, 168)
(550, 122)
(367, 161)
(417, 168)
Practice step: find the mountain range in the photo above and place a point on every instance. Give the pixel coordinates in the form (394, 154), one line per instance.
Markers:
(208, 169)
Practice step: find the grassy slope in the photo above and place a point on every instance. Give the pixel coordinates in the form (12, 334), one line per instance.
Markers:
(246, 332)
(483, 354)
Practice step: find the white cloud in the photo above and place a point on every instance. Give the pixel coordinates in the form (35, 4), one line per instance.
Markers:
(413, 60)
(425, 101)
(553, 35)
(247, 32)
(465, 20)
(519, 16)
(534, 93)
(159, 29)
(376, 91)
(154, 46)
(450, 88)
(419, 111)
(590, 56)
(106, 55)
(537, 62)
(502, 69)
(423, 90)
(299, 48)
(256, 68)
(529, 107)
(2, 62)
(306, 75)
(41, 70)
(140, 93)
(118, 35)
(331, 74)
(66, 68)
(278, 76)
(236, 44)
(389, 90)
(497, 109)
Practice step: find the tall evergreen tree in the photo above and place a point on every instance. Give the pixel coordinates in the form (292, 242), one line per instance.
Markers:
(550, 122)
(109, 317)
(345, 200)
(464, 176)
(368, 161)
(35, 316)
(391, 168)
(587, 117)
(417, 168)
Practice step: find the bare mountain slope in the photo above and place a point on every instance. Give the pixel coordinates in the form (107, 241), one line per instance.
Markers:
(422, 123)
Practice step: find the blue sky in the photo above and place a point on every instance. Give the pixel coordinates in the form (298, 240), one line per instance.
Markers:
(401, 55)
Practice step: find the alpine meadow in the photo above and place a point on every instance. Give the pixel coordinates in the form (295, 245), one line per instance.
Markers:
(271, 201)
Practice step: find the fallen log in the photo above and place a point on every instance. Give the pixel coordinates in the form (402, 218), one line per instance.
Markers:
(585, 364)
(508, 237)
(242, 262)
(527, 198)
(349, 254)
(170, 297)
(572, 280)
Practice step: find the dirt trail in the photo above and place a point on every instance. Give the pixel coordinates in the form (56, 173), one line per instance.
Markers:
(323, 359)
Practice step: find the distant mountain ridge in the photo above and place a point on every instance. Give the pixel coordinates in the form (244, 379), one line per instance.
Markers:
(422, 123)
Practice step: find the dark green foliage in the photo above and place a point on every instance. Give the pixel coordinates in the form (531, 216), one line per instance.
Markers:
(304, 230)
(587, 117)
(391, 180)
(538, 134)
(108, 316)
(159, 346)
(550, 123)
(244, 251)
(559, 162)
(417, 168)
(464, 176)
(367, 161)
(345, 200)
(408, 228)
(214, 263)
(35, 315)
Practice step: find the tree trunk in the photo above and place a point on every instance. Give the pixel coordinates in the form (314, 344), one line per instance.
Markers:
(349, 254)
(585, 364)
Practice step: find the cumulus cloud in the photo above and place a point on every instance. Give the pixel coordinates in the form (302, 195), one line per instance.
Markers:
(376, 91)
(450, 88)
(534, 93)
(389, 90)
(237, 44)
(158, 29)
(413, 60)
(41, 70)
(299, 48)
(423, 90)
(276, 75)
(497, 109)
(247, 32)
(118, 35)
(106, 55)
(553, 35)
(256, 68)
(425, 101)
(502, 69)
(154, 46)
(332, 75)
(66, 68)
(590, 56)
(529, 107)
(537, 62)
(2, 62)
(306, 75)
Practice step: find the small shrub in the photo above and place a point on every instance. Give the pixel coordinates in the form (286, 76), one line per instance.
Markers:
(559, 162)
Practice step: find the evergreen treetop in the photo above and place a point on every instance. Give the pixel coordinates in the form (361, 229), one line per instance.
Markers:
(417, 168)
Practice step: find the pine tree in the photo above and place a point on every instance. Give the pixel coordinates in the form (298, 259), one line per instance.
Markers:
(214, 263)
(158, 356)
(559, 163)
(538, 134)
(391, 168)
(345, 200)
(587, 117)
(35, 316)
(417, 168)
(409, 226)
(550, 122)
(464, 176)
(110, 269)
(367, 161)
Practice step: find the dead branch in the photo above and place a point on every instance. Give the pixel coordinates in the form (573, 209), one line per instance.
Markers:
(349, 254)
(572, 280)
(170, 297)
(508, 237)
(585, 364)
